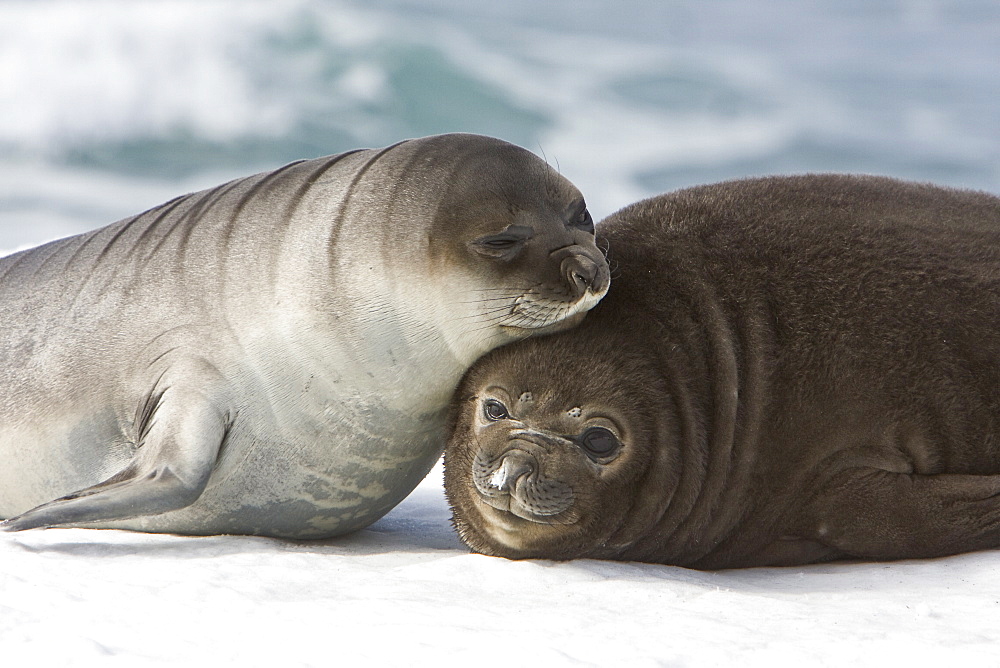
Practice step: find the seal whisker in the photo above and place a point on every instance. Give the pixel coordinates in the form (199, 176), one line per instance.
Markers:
(530, 286)
(506, 306)
(505, 298)
(507, 295)
(490, 315)
(529, 311)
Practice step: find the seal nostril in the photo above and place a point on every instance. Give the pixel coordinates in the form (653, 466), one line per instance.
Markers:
(580, 273)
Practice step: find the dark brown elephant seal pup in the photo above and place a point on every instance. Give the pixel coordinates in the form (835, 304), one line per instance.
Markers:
(785, 371)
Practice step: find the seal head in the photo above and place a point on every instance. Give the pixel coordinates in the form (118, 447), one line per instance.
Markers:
(546, 449)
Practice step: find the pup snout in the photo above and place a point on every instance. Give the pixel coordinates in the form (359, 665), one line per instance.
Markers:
(513, 467)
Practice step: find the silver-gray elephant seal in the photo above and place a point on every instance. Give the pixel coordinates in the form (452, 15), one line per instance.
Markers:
(785, 371)
(275, 356)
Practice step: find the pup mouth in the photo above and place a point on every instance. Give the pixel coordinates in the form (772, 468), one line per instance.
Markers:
(513, 483)
(500, 477)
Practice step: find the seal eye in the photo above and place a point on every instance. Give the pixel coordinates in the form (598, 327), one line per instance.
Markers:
(599, 442)
(495, 411)
(500, 243)
(584, 221)
(506, 244)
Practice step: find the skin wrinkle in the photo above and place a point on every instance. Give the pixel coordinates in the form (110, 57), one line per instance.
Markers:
(164, 210)
(12, 262)
(726, 382)
(191, 216)
(162, 214)
(338, 224)
(164, 226)
(294, 202)
(184, 221)
(225, 233)
(55, 252)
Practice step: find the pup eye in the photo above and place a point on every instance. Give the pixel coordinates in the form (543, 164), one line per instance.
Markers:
(495, 411)
(599, 442)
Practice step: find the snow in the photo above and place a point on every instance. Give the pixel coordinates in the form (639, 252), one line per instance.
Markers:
(406, 592)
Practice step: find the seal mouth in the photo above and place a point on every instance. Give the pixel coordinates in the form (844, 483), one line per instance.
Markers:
(514, 483)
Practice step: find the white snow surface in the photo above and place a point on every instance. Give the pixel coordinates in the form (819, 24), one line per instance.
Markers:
(406, 592)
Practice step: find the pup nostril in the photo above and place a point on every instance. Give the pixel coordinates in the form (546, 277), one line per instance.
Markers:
(509, 472)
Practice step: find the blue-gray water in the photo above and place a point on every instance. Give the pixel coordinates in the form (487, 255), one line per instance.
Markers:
(108, 107)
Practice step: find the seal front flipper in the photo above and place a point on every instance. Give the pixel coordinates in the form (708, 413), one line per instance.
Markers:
(872, 513)
(180, 432)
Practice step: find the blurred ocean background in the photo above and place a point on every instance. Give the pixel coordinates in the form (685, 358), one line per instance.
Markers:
(108, 107)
